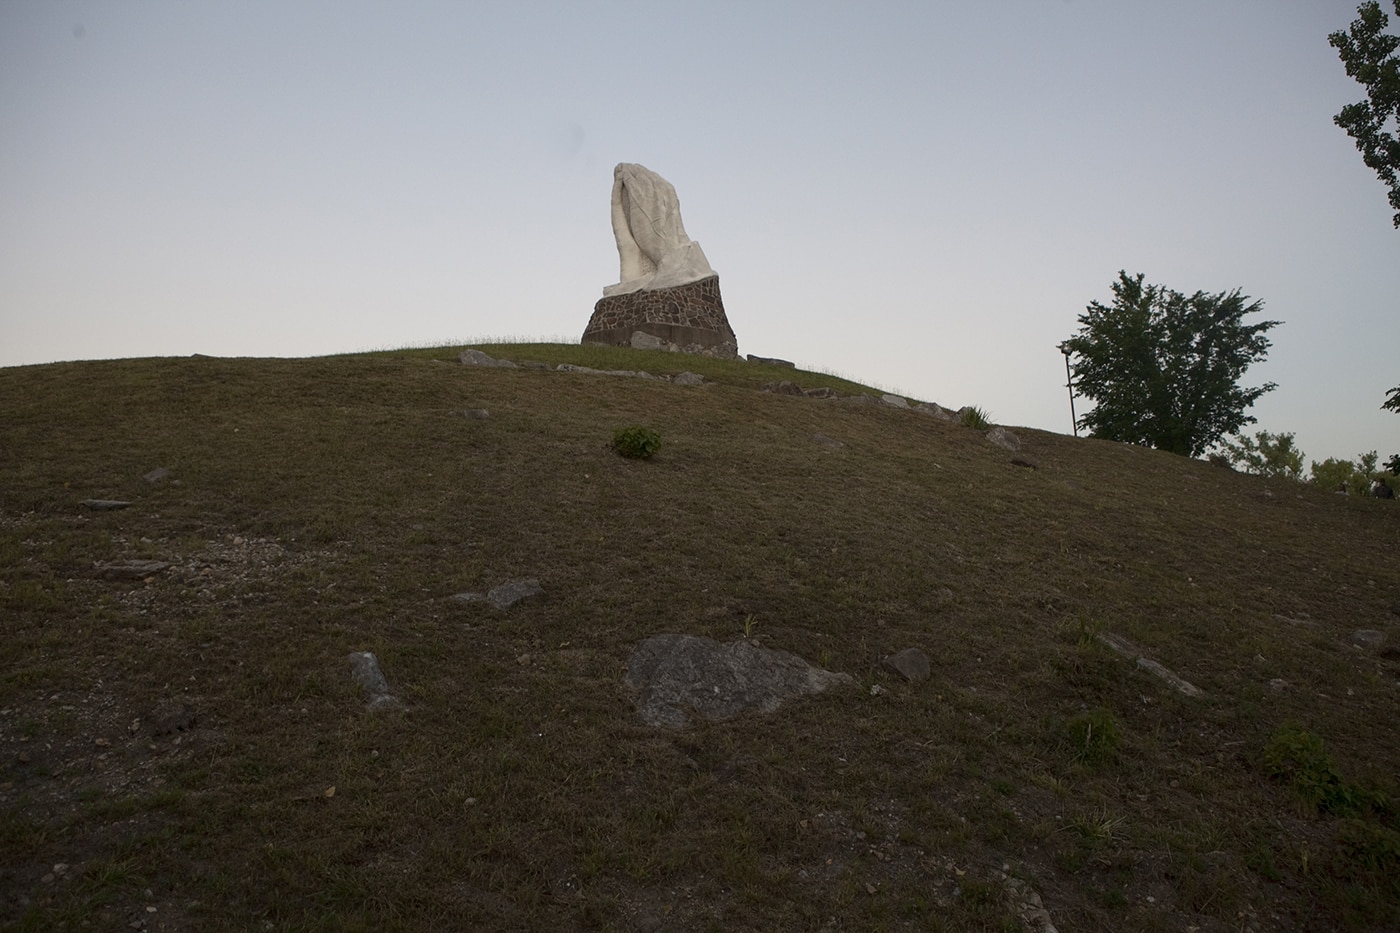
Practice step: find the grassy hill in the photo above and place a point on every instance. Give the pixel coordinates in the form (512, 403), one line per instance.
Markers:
(185, 749)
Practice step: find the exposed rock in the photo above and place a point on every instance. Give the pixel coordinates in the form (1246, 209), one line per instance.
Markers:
(1367, 638)
(783, 388)
(105, 505)
(130, 569)
(895, 401)
(676, 675)
(364, 667)
(572, 368)
(1132, 652)
(471, 357)
(505, 595)
(687, 379)
(641, 340)
(771, 361)
(820, 392)
(911, 664)
(477, 414)
(1004, 438)
(156, 475)
(936, 410)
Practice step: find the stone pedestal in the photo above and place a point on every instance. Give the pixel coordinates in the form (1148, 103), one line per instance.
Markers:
(690, 316)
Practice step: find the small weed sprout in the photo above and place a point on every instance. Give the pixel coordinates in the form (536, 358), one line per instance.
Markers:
(1093, 735)
(750, 623)
(636, 443)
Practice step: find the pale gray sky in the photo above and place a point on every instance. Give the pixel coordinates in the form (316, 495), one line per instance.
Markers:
(923, 195)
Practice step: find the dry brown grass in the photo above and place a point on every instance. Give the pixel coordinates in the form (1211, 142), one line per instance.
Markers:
(318, 507)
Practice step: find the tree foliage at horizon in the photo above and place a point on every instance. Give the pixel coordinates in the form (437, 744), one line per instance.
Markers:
(1369, 54)
(1164, 368)
(1267, 454)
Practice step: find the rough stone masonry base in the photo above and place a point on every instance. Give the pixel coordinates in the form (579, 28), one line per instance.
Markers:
(691, 316)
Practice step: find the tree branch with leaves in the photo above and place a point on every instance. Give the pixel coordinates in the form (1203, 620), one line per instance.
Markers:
(1369, 54)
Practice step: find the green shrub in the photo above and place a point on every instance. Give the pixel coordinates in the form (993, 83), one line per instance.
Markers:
(1298, 758)
(1093, 735)
(636, 443)
(973, 417)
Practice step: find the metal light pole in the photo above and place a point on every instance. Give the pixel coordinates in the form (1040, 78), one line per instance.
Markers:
(1069, 384)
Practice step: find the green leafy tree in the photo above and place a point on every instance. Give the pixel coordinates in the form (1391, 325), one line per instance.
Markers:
(1267, 455)
(1393, 402)
(1393, 464)
(1164, 368)
(1368, 52)
(1337, 475)
(1334, 473)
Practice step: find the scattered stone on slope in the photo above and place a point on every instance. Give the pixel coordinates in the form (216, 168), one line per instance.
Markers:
(1367, 638)
(895, 401)
(1127, 649)
(471, 357)
(477, 414)
(105, 505)
(936, 410)
(156, 475)
(820, 392)
(911, 664)
(364, 667)
(676, 675)
(1023, 899)
(1004, 438)
(825, 441)
(130, 569)
(505, 595)
(771, 361)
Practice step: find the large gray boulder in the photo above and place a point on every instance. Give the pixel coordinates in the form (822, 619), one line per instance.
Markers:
(679, 675)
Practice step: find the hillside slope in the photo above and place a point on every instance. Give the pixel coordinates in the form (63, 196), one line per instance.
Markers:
(184, 748)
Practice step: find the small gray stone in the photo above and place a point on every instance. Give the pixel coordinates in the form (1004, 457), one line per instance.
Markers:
(105, 505)
(1367, 638)
(471, 357)
(825, 441)
(477, 414)
(687, 379)
(1004, 438)
(911, 664)
(364, 667)
(130, 569)
(936, 410)
(156, 475)
(508, 594)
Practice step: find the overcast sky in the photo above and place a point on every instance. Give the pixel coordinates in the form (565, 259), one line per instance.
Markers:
(922, 195)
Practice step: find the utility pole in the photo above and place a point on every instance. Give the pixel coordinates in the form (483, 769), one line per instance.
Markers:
(1069, 384)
